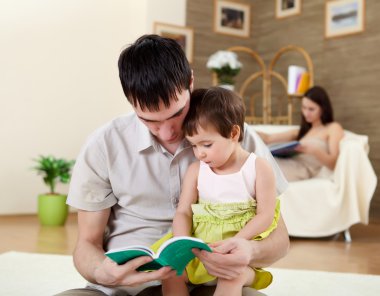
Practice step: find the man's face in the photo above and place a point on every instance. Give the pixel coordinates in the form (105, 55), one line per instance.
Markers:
(166, 124)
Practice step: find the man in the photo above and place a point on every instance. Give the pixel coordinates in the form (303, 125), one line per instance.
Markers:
(127, 179)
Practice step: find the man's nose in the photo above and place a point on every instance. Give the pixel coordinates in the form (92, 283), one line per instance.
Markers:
(166, 130)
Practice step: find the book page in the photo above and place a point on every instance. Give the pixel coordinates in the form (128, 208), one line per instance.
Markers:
(176, 238)
(132, 247)
(177, 252)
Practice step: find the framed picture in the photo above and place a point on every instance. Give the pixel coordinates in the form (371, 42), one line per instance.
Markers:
(232, 18)
(286, 8)
(343, 17)
(183, 35)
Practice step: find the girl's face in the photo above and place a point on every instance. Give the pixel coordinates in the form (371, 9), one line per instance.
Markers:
(311, 110)
(212, 148)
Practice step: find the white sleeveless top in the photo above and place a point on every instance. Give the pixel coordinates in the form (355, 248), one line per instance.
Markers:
(236, 187)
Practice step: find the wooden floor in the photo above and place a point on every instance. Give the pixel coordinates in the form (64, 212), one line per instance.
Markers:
(24, 234)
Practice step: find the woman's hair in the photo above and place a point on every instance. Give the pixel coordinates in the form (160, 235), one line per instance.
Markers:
(215, 106)
(319, 96)
(153, 69)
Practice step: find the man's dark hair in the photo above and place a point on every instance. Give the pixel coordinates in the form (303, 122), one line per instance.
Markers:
(215, 106)
(153, 69)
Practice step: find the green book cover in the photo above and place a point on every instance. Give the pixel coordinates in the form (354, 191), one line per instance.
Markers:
(175, 252)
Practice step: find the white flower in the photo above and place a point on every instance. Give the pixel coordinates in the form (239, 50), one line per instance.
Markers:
(223, 58)
(226, 66)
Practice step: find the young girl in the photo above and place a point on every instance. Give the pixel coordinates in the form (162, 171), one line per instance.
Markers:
(228, 193)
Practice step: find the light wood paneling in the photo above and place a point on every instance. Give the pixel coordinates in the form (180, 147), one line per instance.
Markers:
(348, 67)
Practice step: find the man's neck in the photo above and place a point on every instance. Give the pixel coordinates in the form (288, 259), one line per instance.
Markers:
(170, 147)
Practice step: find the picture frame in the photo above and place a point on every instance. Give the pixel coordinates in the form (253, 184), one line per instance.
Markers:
(344, 17)
(287, 8)
(182, 34)
(232, 18)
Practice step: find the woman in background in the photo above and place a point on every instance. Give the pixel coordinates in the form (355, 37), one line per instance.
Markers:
(319, 136)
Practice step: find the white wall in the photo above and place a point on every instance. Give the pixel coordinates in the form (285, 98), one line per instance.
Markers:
(166, 11)
(59, 80)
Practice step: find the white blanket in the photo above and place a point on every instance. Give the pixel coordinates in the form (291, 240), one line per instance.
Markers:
(331, 202)
(45, 275)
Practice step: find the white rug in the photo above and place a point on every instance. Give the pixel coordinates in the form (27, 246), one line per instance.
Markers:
(44, 275)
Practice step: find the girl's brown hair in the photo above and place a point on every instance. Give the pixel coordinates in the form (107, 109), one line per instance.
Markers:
(215, 106)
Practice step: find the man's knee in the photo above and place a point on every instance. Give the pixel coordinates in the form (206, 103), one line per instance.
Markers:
(81, 292)
(209, 291)
(203, 291)
(251, 292)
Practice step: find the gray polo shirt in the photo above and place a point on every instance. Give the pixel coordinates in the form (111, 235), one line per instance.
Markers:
(122, 166)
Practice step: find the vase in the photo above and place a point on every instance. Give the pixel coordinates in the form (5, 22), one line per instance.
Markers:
(227, 86)
(52, 209)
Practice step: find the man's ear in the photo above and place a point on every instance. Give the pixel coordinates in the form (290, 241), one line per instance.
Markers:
(235, 132)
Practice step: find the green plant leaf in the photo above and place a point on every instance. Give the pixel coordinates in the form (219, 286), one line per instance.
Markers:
(53, 170)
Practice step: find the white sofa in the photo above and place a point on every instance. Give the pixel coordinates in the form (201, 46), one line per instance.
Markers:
(331, 202)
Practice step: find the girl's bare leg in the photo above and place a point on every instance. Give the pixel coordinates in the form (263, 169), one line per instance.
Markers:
(234, 287)
(175, 286)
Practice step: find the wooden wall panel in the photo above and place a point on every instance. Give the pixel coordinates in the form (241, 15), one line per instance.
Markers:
(348, 67)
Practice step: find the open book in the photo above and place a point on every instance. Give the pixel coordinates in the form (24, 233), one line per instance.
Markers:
(175, 252)
(284, 149)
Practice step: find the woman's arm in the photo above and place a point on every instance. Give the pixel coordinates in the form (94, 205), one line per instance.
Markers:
(286, 136)
(182, 222)
(328, 158)
(265, 188)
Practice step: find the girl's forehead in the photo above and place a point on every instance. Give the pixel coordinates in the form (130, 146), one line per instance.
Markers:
(204, 133)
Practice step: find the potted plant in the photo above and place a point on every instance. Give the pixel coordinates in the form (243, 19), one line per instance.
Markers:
(226, 66)
(52, 207)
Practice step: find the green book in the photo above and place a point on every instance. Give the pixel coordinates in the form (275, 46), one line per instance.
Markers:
(175, 252)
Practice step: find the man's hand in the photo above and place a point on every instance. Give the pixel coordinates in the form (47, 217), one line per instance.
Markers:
(229, 257)
(109, 273)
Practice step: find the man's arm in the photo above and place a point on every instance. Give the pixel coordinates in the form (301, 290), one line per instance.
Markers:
(271, 249)
(93, 265)
(233, 255)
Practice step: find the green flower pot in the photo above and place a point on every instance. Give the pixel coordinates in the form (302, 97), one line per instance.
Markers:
(52, 209)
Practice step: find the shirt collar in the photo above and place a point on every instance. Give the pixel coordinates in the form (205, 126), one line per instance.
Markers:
(145, 138)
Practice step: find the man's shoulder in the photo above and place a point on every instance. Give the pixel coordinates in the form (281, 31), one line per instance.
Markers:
(121, 126)
(121, 123)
